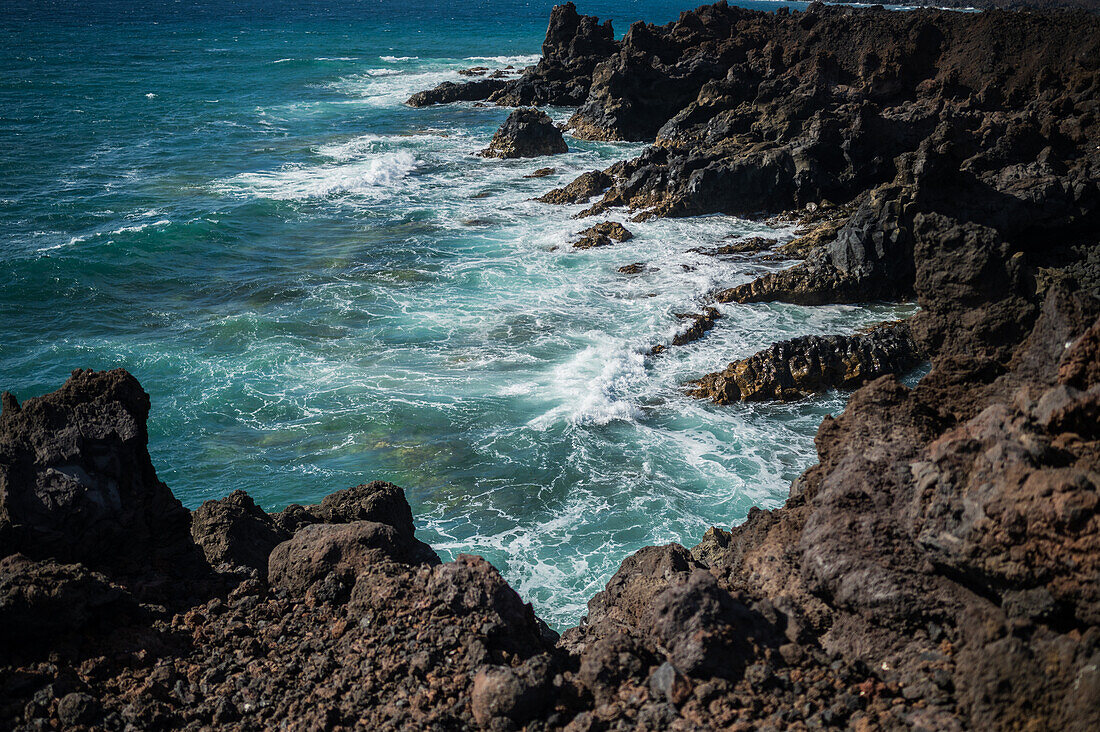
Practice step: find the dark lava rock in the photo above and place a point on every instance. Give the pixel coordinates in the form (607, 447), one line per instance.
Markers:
(602, 235)
(633, 269)
(235, 531)
(541, 173)
(375, 501)
(449, 92)
(573, 46)
(580, 190)
(42, 601)
(77, 485)
(752, 245)
(341, 550)
(700, 324)
(527, 133)
(812, 364)
(77, 709)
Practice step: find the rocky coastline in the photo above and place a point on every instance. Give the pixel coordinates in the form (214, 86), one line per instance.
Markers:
(939, 566)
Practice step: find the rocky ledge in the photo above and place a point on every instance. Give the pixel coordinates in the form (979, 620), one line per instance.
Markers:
(812, 364)
(937, 568)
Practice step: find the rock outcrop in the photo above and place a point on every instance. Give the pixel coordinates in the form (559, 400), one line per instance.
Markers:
(574, 45)
(935, 569)
(449, 92)
(812, 364)
(77, 485)
(527, 133)
(602, 235)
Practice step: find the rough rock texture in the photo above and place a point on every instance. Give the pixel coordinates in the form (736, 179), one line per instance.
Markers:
(580, 190)
(936, 569)
(811, 364)
(449, 92)
(573, 46)
(602, 235)
(237, 532)
(527, 133)
(76, 482)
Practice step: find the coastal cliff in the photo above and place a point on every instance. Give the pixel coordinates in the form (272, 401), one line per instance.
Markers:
(937, 568)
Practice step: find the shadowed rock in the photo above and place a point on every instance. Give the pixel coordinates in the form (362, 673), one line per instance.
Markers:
(449, 92)
(77, 485)
(237, 532)
(580, 190)
(527, 133)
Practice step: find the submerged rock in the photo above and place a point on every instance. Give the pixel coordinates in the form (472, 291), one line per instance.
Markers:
(812, 364)
(527, 133)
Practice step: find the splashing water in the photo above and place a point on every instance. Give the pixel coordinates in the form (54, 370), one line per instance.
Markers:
(319, 286)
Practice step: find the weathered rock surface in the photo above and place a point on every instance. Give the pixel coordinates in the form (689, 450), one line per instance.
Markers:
(527, 133)
(602, 235)
(76, 482)
(580, 190)
(449, 92)
(237, 532)
(936, 569)
(812, 364)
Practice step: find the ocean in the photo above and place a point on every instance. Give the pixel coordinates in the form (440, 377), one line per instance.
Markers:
(319, 286)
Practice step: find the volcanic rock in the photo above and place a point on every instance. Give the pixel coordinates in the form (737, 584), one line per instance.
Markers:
(602, 235)
(449, 92)
(77, 485)
(580, 190)
(526, 133)
(237, 532)
(812, 364)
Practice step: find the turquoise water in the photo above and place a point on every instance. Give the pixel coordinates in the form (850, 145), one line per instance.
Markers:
(319, 286)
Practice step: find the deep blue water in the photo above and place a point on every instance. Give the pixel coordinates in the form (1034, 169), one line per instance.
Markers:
(319, 286)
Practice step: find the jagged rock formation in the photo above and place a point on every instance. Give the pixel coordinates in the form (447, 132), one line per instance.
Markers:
(936, 569)
(574, 45)
(449, 92)
(812, 364)
(527, 133)
(603, 234)
(581, 190)
(77, 485)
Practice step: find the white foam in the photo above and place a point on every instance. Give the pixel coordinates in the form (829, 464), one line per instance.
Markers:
(375, 177)
(397, 59)
(526, 60)
(355, 148)
(597, 386)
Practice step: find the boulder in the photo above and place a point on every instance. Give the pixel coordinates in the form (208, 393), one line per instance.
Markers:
(602, 235)
(237, 532)
(527, 133)
(812, 364)
(580, 190)
(341, 551)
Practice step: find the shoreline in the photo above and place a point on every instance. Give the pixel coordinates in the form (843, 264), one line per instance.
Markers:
(936, 568)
